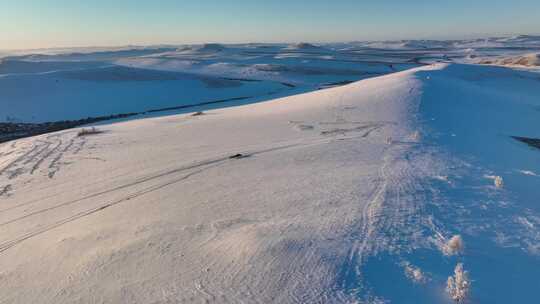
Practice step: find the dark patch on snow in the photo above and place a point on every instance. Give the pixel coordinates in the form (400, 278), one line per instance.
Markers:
(238, 156)
(11, 131)
(533, 142)
(4, 191)
(335, 84)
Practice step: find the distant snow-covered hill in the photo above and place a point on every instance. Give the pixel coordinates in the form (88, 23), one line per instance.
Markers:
(69, 84)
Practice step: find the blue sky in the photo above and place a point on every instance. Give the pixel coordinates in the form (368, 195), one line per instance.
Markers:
(57, 23)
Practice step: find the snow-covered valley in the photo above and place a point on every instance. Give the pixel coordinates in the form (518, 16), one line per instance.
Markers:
(368, 192)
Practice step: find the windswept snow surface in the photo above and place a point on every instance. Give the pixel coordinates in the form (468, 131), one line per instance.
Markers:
(345, 195)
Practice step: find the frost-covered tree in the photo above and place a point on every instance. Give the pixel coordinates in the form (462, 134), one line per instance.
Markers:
(499, 183)
(416, 136)
(454, 246)
(414, 273)
(459, 285)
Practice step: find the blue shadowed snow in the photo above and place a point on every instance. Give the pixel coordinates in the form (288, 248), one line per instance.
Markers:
(466, 116)
(472, 123)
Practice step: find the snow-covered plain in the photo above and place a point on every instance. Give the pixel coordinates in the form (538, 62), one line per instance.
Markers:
(372, 192)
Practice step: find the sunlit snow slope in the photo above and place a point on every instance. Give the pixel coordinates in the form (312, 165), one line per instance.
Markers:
(337, 196)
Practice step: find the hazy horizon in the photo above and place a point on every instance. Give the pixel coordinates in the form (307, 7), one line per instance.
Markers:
(261, 42)
(65, 24)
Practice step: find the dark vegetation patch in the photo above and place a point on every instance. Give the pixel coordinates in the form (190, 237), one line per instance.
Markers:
(242, 79)
(289, 85)
(335, 84)
(533, 142)
(11, 131)
(198, 104)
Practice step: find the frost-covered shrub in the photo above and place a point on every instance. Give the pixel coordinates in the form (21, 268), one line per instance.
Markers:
(459, 285)
(454, 246)
(91, 131)
(416, 136)
(414, 273)
(499, 183)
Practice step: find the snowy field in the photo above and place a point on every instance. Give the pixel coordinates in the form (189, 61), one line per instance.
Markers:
(376, 191)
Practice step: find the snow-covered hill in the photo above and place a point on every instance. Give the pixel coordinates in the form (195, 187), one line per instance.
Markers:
(71, 84)
(88, 91)
(39, 88)
(369, 192)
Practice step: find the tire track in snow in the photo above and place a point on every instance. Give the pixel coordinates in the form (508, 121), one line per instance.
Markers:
(377, 219)
(208, 163)
(18, 159)
(4, 191)
(137, 182)
(9, 244)
(32, 156)
(362, 238)
(45, 156)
